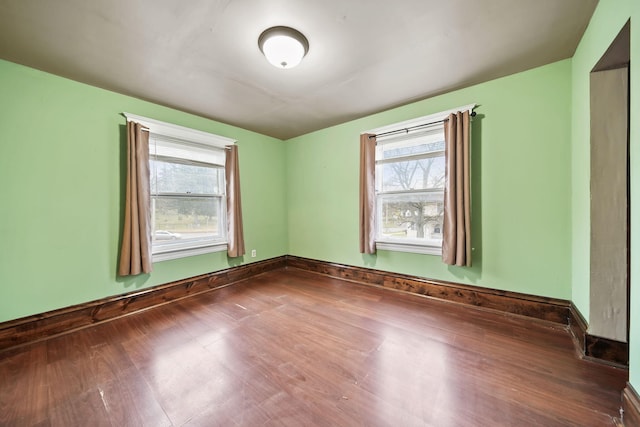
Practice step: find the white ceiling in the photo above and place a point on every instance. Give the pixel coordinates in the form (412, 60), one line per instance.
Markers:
(365, 56)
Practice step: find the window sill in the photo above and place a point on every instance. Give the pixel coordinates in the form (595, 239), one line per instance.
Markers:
(409, 247)
(187, 252)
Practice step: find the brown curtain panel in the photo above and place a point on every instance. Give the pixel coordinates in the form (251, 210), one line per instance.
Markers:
(456, 241)
(367, 194)
(234, 206)
(135, 255)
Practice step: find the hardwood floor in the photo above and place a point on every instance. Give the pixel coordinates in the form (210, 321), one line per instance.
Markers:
(291, 348)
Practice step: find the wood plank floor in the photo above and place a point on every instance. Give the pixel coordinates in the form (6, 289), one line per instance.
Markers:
(290, 348)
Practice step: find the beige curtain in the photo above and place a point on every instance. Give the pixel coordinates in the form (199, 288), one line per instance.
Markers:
(367, 194)
(135, 256)
(456, 241)
(234, 206)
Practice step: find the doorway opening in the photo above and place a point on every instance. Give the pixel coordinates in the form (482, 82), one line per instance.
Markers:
(610, 207)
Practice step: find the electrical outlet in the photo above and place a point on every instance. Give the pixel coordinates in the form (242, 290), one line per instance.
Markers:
(253, 253)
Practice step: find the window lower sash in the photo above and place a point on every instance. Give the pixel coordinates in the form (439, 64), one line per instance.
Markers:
(176, 253)
(410, 247)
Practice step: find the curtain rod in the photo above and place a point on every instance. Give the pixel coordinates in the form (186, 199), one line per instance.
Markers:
(406, 130)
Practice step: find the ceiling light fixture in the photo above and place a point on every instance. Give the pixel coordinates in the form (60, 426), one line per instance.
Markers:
(283, 47)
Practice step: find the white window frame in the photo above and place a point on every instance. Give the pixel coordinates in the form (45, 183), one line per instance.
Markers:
(411, 246)
(192, 136)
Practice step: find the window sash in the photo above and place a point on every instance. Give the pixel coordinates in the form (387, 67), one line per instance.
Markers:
(430, 238)
(409, 157)
(161, 146)
(183, 161)
(201, 238)
(187, 195)
(416, 192)
(411, 175)
(219, 180)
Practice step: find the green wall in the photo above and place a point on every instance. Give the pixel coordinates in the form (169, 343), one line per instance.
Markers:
(62, 176)
(607, 21)
(521, 228)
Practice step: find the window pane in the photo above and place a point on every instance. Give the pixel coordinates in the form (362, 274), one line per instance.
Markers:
(163, 146)
(414, 143)
(417, 217)
(420, 174)
(169, 177)
(185, 220)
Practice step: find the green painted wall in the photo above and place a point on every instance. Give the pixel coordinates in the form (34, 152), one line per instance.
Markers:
(61, 176)
(607, 21)
(61, 180)
(521, 186)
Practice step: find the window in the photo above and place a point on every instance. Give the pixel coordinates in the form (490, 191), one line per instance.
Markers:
(409, 184)
(187, 195)
(409, 178)
(188, 203)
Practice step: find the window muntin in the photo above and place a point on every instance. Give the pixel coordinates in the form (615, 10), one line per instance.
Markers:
(187, 195)
(410, 174)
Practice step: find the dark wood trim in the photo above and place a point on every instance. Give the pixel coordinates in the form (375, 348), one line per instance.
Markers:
(630, 407)
(607, 350)
(578, 328)
(594, 347)
(549, 309)
(46, 325)
(292, 347)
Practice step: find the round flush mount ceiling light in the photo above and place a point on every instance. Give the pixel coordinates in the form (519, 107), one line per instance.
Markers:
(283, 47)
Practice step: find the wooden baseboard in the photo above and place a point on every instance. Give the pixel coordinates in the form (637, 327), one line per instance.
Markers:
(608, 350)
(550, 309)
(630, 407)
(578, 328)
(594, 347)
(46, 325)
